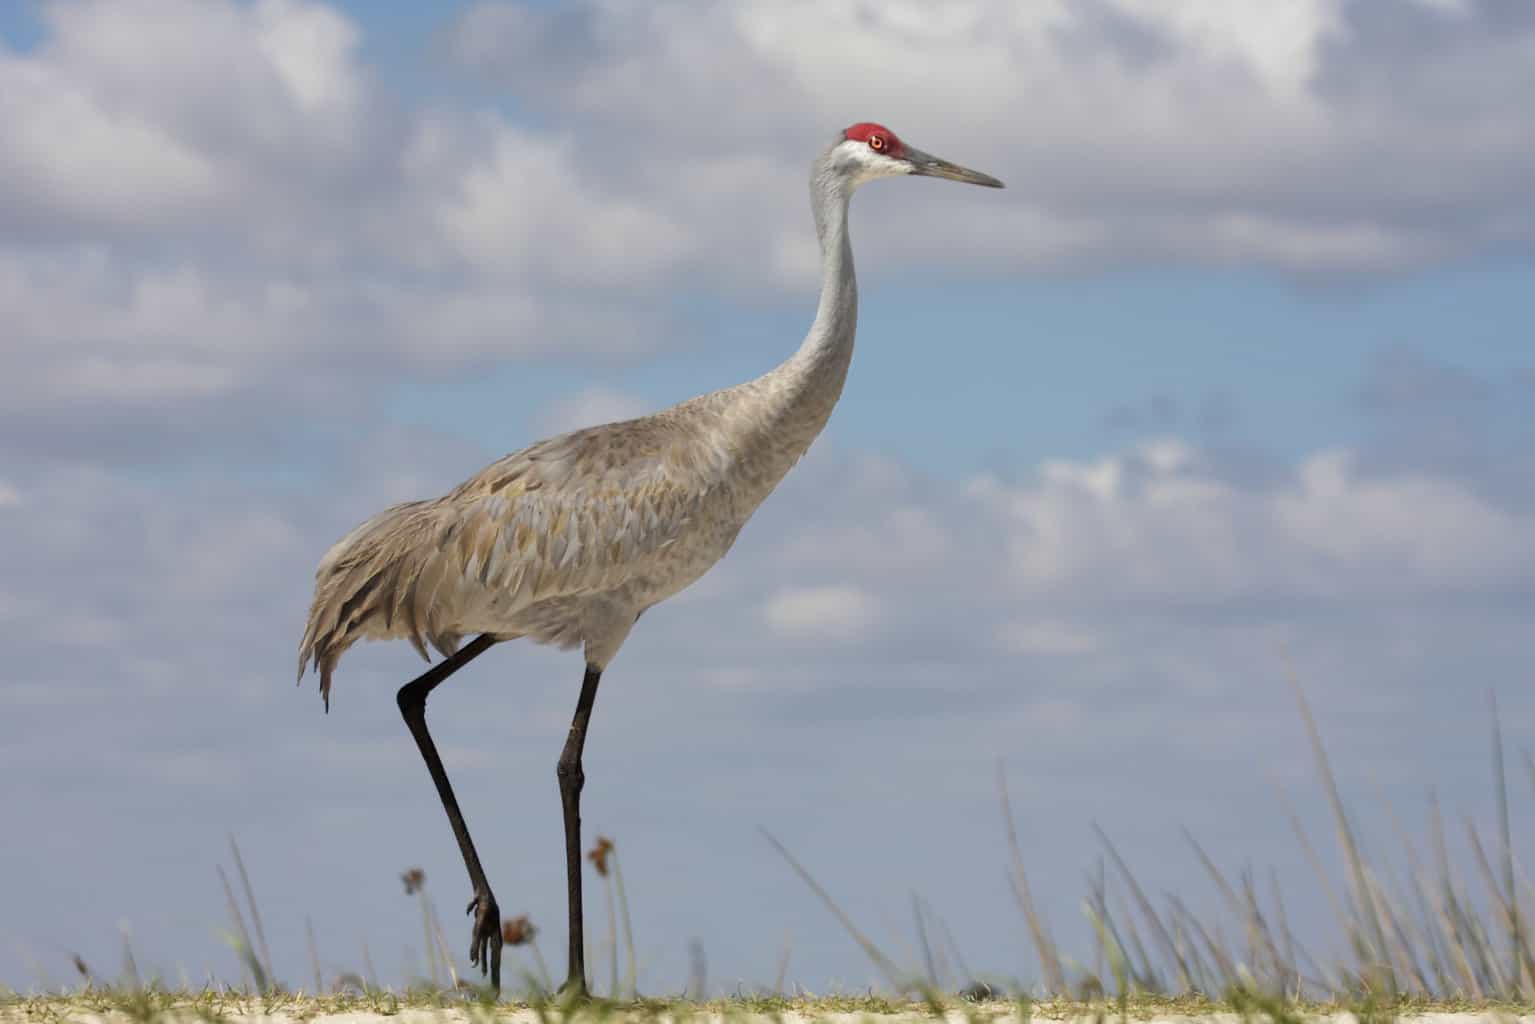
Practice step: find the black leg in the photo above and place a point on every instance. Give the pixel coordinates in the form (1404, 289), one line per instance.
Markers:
(572, 778)
(485, 941)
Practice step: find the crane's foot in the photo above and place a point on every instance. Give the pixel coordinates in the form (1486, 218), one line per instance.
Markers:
(573, 991)
(485, 940)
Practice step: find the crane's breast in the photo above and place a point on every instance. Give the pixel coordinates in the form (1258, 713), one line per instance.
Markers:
(593, 512)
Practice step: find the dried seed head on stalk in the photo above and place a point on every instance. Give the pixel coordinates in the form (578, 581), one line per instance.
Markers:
(599, 855)
(517, 930)
(414, 879)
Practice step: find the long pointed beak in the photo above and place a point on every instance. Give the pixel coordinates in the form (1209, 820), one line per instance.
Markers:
(933, 167)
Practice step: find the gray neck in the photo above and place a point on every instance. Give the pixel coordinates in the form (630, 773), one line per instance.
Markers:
(802, 390)
(774, 418)
(829, 345)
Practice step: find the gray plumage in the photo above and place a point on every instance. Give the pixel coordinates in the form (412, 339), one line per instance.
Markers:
(569, 540)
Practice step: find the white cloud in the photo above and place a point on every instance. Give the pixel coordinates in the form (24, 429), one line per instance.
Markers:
(141, 114)
(1155, 524)
(1127, 131)
(217, 201)
(520, 207)
(10, 497)
(310, 48)
(836, 612)
(117, 170)
(1279, 42)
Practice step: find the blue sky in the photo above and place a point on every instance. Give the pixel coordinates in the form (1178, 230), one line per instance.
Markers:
(1015, 371)
(1238, 366)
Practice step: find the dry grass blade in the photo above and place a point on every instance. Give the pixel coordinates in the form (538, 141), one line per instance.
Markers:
(1148, 912)
(1505, 983)
(1119, 952)
(1423, 937)
(1109, 943)
(1223, 963)
(631, 968)
(1375, 961)
(886, 966)
(1290, 984)
(1176, 915)
(1521, 968)
(783, 964)
(953, 947)
(241, 935)
(250, 901)
(1044, 946)
(929, 966)
(1402, 959)
(367, 963)
(130, 962)
(1447, 905)
(314, 956)
(1259, 937)
(1141, 969)
(441, 947)
(1433, 940)
(1345, 922)
(607, 891)
(1097, 900)
(1227, 892)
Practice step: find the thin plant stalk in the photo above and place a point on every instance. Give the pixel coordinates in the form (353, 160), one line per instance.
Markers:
(1350, 847)
(953, 947)
(631, 968)
(1447, 905)
(442, 947)
(926, 947)
(783, 963)
(130, 963)
(314, 956)
(1520, 960)
(367, 963)
(1044, 946)
(250, 900)
(607, 891)
(543, 968)
(429, 944)
(886, 966)
(241, 935)
(1158, 931)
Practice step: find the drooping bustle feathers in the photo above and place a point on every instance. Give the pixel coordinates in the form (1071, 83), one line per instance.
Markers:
(381, 581)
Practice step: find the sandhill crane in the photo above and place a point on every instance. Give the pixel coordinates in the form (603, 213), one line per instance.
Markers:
(569, 540)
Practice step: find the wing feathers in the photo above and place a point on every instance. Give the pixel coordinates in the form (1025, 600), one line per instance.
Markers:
(577, 514)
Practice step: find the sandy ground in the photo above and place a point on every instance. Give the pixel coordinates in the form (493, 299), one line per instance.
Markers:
(13, 1015)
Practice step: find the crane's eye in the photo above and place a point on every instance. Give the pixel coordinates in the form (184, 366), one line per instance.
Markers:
(877, 143)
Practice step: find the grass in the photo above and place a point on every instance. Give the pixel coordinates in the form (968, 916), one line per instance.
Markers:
(158, 1006)
(1417, 942)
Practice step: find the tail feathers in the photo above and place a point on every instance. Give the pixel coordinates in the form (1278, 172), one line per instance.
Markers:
(381, 581)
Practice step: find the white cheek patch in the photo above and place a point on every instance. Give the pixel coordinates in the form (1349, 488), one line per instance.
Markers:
(871, 165)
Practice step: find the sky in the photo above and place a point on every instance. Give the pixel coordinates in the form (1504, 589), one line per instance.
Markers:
(1236, 375)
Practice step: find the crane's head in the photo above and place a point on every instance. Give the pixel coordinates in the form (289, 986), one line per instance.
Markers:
(867, 151)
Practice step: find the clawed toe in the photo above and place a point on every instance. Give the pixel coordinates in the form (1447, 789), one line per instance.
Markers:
(485, 939)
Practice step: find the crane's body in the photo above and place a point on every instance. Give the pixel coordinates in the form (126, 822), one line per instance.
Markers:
(570, 540)
(567, 541)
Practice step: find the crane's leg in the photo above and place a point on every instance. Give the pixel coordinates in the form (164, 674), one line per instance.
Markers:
(485, 940)
(572, 778)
